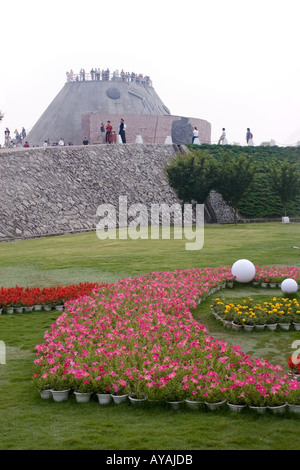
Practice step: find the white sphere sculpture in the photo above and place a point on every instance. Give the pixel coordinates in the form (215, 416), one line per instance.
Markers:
(289, 286)
(243, 270)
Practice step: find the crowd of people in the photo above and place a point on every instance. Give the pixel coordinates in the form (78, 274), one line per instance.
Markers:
(108, 136)
(17, 141)
(223, 140)
(105, 75)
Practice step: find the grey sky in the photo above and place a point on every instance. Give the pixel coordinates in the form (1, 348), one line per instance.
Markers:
(232, 63)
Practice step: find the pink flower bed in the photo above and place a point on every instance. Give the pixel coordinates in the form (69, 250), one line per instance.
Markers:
(139, 336)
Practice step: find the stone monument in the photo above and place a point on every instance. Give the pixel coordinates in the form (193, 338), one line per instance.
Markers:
(87, 100)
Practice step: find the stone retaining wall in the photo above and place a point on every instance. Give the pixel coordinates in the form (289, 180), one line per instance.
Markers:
(57, 191)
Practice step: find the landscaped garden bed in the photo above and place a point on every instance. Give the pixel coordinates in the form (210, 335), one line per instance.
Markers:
(25, 299)
(279, 312)
(138, 337)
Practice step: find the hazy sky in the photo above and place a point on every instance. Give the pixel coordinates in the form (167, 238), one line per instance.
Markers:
(234, 63)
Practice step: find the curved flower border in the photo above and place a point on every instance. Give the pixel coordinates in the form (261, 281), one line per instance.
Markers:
(139, 336)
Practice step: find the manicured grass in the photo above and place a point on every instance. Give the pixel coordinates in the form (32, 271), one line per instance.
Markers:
(28, 422)
(84, 258)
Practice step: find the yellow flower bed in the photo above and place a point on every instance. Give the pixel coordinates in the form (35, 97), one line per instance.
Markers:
(278, 310)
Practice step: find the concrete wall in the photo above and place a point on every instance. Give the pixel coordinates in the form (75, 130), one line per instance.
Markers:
(57, 190)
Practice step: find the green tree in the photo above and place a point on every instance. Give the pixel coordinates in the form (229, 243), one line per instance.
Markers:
(285, 182)
(191, 176)
(234, 178)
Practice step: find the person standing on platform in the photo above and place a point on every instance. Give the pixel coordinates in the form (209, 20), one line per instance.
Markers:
(102, 130)
(195, 134)
(7, 137)
(249, 137)
(223, 137)
(108, 132)
(122, 130)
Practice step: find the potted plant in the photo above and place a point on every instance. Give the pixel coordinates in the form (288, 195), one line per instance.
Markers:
(276, 400)
(238, 322)
(250, 322)
(60, 385)
(138, 395)
(43, 385)
(154, 391)
(48, 305)
(28, 300)
(235, 396)
(9, 307)
(103, 388)
(173, 391)
(120, 391)
(265, 282)
(293, 400)
(138, 392)
(218, 306)
(83, 389)
(256, 398)
(295, 316)
(227, 316)
(194, 395)
(270, 320)
(214, 396)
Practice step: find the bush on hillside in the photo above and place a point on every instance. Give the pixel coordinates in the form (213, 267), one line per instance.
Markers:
(260, 201)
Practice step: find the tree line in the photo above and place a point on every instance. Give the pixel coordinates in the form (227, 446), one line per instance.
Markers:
(234, 174)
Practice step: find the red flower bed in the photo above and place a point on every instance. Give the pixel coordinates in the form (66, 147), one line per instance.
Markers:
(29, 296)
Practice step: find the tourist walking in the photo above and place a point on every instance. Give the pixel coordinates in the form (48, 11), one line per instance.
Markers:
(222, 139)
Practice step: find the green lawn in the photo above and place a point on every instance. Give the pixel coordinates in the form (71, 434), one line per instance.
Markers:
(28, 422)
(84, 258)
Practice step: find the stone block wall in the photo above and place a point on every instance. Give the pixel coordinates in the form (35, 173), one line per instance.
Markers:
(58, 190)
